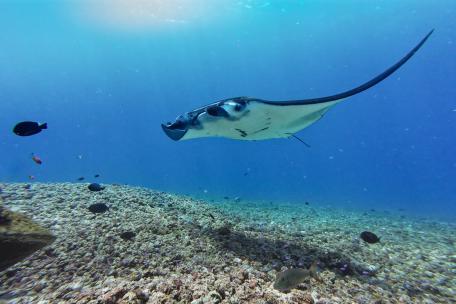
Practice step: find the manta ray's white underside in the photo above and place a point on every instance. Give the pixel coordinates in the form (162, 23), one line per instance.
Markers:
(260, 121)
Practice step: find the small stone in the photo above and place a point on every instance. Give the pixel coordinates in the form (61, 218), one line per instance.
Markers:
(213, 297)
(39, 287)
(76, 286)
(128, 262)
(98, 208)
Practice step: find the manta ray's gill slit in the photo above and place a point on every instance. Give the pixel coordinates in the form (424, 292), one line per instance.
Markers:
(260, 130)
(241, 132)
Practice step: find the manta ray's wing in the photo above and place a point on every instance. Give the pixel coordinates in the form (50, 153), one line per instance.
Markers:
(283, 118)
(255, 119)
(360, 88)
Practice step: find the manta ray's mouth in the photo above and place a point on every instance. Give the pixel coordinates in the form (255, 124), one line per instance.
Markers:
(173, 131)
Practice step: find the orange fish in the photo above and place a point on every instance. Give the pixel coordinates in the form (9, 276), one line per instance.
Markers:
(36, 159)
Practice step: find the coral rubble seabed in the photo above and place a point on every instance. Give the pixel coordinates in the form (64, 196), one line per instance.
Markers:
(189, 251)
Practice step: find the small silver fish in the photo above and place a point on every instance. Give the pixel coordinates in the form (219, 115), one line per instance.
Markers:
(291, 278)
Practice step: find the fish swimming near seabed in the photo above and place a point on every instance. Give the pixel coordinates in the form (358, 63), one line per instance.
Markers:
(291, 278)
(247, 118)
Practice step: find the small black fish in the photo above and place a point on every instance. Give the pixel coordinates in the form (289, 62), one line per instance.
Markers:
(96, 175)
(306, 203)
(98, 208)
(95, 187)
(27, 128)
(369, 237)
(81, 178)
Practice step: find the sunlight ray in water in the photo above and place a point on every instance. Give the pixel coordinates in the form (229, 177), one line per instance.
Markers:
(146, 15)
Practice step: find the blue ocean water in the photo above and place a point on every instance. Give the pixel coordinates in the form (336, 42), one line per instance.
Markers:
(104, 75)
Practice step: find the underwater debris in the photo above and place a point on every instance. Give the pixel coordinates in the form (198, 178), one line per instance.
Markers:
(369, 237)
(95, 187)
(27, 128)
(127, 235)
(291, 278)
(98, 208)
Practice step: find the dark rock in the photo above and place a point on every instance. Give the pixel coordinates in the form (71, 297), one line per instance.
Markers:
(95, 187)
(4, 219)
(369, 237)
(11, 273)
(50, 252)
(128, 262)
(225, 230)
(98, 208)
(20, 238)
(344, 268)
(127, 235)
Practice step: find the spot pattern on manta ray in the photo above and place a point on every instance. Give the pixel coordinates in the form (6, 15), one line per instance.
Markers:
(261, 130)
(242, 132)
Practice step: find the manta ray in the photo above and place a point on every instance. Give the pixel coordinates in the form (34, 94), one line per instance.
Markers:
(247, 118)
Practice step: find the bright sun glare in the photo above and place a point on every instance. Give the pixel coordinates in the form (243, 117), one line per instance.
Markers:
(146, 14)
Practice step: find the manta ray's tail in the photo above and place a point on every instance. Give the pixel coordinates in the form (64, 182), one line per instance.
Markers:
(360, 88)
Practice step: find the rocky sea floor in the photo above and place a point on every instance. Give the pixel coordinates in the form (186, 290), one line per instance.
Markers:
(188, 251)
